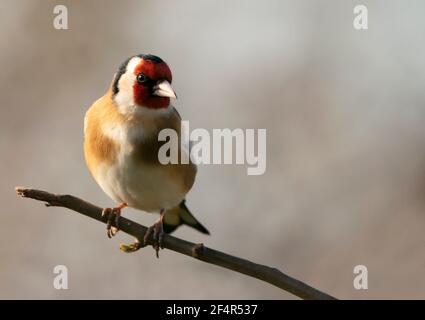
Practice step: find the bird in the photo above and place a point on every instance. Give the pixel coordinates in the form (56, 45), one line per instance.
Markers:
(121, 150)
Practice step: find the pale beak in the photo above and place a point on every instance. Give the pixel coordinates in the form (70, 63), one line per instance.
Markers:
(164, 89)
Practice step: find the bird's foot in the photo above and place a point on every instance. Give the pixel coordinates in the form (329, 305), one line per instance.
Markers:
(154, 235)
(133, 247)
(113, 215)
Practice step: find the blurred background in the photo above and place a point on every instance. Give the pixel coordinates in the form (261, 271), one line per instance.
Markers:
(343, 109)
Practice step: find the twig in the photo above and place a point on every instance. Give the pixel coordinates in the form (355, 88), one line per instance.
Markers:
(197, 251)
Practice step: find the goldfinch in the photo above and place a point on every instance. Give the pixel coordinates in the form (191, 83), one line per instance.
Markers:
(121, 148)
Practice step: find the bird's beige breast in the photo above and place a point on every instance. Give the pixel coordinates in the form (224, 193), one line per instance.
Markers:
(123, 159)
(141, 186)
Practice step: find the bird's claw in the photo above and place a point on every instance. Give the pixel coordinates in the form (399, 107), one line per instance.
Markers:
(155, 235)
(113, 215)
(133, 247)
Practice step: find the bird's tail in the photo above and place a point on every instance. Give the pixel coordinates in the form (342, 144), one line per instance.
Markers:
(179, 215)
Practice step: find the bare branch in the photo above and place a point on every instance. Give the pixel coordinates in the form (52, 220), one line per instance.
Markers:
(197, 251)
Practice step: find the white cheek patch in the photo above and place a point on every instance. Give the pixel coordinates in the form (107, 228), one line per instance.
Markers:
(125, 98)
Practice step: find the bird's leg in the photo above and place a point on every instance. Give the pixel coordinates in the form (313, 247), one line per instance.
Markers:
(113, 214)
(154, 234)
(156, 231)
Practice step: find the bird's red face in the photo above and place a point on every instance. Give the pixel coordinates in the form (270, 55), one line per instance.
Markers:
(150, 76)
(144, 81)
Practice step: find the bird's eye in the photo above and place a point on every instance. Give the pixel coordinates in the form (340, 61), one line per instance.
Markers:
(141, 78)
